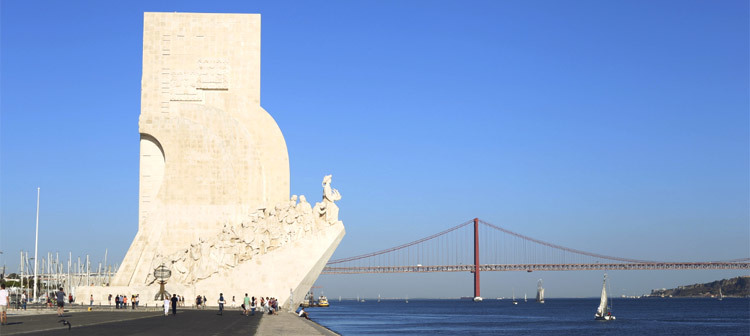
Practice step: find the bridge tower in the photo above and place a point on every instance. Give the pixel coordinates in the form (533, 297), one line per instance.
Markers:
(476, 258)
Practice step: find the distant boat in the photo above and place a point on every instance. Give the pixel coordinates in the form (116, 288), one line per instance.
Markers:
(339, 298)
(514, 297)
(604, 311)
(539, 292)
(477, 299)
(378, 298)
(323, 301)
(407, 299)
(721, 297)
(524, 298)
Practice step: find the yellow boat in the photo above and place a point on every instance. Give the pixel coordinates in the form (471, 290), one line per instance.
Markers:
(323, 301)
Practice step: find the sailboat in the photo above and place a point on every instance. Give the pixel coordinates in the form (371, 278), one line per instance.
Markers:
(514, 297)
(603, 312)
(407, 299)
(721, 297)
(378, 298)
(524, 298)
(539, 292)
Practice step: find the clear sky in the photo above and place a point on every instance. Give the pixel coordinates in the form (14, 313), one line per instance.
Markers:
(617, 127)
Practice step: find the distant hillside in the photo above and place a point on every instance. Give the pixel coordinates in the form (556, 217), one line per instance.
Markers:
(739, 286)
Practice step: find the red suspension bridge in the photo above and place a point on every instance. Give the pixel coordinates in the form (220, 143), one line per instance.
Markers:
(457, 249)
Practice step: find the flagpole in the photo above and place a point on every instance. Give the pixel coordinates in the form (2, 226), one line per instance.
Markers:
(36, 244)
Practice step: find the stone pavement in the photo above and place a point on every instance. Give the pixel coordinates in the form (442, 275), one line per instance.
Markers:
(186, 322)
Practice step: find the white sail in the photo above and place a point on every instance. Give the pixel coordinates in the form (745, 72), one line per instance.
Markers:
(602, 310)
(539, 292)
(721, 297)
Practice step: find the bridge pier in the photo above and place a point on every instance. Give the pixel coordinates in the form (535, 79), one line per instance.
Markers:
(476, 258)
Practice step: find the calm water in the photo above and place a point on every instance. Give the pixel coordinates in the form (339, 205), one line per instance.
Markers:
(555, 317)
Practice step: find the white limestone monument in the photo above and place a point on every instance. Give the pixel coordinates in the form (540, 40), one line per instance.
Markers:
(214, 204)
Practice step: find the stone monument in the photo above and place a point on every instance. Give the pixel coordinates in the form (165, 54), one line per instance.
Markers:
(214, 204)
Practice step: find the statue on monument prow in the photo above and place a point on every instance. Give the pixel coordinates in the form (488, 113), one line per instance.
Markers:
(328, 210)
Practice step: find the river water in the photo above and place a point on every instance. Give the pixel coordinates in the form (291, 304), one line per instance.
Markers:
(675, 316)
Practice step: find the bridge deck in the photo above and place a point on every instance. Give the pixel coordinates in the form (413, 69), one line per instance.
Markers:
(541, 267)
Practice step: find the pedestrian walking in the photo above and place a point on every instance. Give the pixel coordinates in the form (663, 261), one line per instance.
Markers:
(233, 303)
(109, 299)
(60, 302)
(167, 303)
(24, 299)
(4, 302)
(91, 301)
(246, 304)
(174, 304)
(253, 305)
(221, 303)
(204, 301)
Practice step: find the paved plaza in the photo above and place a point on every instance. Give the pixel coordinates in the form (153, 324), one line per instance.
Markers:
(186, 322)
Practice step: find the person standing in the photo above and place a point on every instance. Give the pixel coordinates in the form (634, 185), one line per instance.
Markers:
(24, 299)
(109, 300)
(60, 302)
(234, 304)
(91, 300)
(4, 301)
(221, 303)
(204, 301)
(246, 304)
(166, 305)
(174, 304)
(253, 305)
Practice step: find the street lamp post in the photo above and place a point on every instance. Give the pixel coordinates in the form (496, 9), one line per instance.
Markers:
(36, 243)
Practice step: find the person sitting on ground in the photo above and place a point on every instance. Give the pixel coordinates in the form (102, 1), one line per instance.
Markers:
(303, 313)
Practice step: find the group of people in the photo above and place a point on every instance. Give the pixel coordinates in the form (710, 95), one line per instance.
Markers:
(121, 301)
(250, 304)
(171, 302)
(200, 302)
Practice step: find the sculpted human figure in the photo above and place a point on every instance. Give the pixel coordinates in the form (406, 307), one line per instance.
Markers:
(329, 208)
(329, 193)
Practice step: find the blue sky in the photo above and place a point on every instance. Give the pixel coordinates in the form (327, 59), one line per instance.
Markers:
(617, 127)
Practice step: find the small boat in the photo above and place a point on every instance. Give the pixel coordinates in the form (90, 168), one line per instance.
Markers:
(378, 298)
(323, 301)
(604, 311)
(524, 298)
(539, 292)
(477, 299)
(514, 297)
(407, 299)
(721, 297)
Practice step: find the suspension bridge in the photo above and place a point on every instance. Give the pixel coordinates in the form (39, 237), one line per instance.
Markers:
(457, 249)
